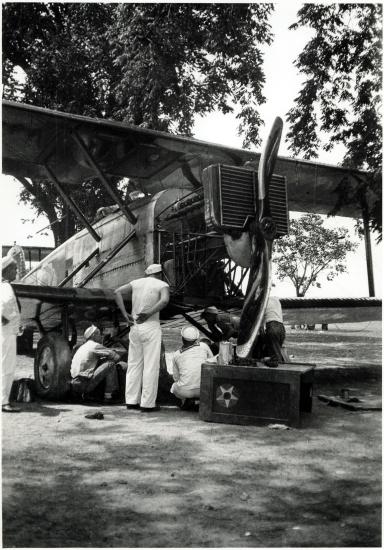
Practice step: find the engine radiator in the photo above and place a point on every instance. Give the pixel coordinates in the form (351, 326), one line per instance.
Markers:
(230, 198)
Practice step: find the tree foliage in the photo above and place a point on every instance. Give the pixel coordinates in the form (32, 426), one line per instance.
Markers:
(63, 52)
(309, 250)
(179, 60)
(66, 66)
(154, 65)
(341, 96)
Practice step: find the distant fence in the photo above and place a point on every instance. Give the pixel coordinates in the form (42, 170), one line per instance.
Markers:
(32, 253)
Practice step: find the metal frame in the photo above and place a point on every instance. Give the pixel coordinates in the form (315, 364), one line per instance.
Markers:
(104, 262)
(78, 268)
(231, 269)
(102, 177)
(72, 205)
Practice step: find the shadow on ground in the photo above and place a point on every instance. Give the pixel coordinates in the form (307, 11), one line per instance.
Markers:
(170, 480)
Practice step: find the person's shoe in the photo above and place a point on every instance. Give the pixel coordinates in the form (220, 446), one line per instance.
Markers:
(190, 404)
(136, 406)
(111, 401)
(149, 409)
(89, 398)
(271, 363)
(95, 416)
(10, 409)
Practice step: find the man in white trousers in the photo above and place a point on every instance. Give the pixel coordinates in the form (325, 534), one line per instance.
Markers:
(149, 296)
(10, 321)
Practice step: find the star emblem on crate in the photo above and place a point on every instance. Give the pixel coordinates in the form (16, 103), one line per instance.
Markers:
(227, 395)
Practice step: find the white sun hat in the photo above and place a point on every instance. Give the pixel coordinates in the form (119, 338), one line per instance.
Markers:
(190, 333)
(152, 269)
(90, 331)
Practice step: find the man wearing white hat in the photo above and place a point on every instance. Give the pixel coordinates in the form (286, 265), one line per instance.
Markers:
(149, 296)
(187, 363)
(223, 326)
(93, 363)
(10, 321)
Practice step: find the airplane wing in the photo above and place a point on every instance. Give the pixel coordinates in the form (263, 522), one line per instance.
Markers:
(34, 138)
(310, 311)
(307, 311)
(45, 303)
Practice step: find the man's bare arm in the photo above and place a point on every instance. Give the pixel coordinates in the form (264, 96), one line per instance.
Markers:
(127, 290)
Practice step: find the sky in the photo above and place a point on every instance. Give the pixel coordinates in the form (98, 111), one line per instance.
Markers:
(282, 85)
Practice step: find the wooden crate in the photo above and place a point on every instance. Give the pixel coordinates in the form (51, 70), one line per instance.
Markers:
(235, 394)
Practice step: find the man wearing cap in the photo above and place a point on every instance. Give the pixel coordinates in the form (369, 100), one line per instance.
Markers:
(93, 363)
(187, 363)
(149, 296)
(10, 321)
(223, 326)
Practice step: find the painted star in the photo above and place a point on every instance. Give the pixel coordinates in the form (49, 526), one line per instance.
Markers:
(227, 395)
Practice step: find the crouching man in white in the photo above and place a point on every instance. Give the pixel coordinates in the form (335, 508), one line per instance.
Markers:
(187, 363)
(149, 296)
(93, 363)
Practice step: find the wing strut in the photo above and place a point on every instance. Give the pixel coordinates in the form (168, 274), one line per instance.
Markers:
(108, 258)
(72, 205)
(126, 211)
(78, 268)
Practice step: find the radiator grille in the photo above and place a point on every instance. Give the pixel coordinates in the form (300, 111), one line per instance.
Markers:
(278, 203)
(237, 198)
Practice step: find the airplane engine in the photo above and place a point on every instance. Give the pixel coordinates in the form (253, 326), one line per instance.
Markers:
(250, 209)
(231, 203)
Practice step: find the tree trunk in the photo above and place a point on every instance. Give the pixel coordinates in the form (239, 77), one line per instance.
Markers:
(44, 199)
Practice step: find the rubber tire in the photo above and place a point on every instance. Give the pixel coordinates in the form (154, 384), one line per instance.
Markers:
(57, 386)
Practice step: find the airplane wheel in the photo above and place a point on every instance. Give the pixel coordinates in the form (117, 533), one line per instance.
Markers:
(52, 367)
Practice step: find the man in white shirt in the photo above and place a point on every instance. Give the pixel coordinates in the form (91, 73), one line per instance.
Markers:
(149, 296)
(274, 331)
(187, 363)
(93, 363)
(10, 321)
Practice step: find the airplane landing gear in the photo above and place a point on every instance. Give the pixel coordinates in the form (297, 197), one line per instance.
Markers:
(52, 367)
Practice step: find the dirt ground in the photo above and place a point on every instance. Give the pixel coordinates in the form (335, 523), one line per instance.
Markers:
(170, 480)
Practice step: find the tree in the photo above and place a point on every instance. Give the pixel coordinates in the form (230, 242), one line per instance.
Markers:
(340, 100)
(154, 65)
(179, 60)
(61, 49)
(310, 249)
(44, 40)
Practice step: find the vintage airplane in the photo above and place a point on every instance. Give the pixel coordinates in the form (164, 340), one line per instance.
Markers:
(206, 212)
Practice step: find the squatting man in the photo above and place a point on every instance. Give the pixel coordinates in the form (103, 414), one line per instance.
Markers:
(186, 366)
(149, 295)
(93, 364)
(224, 326)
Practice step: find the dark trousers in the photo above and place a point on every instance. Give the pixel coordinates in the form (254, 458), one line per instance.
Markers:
(274, 339)
(88, 380)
